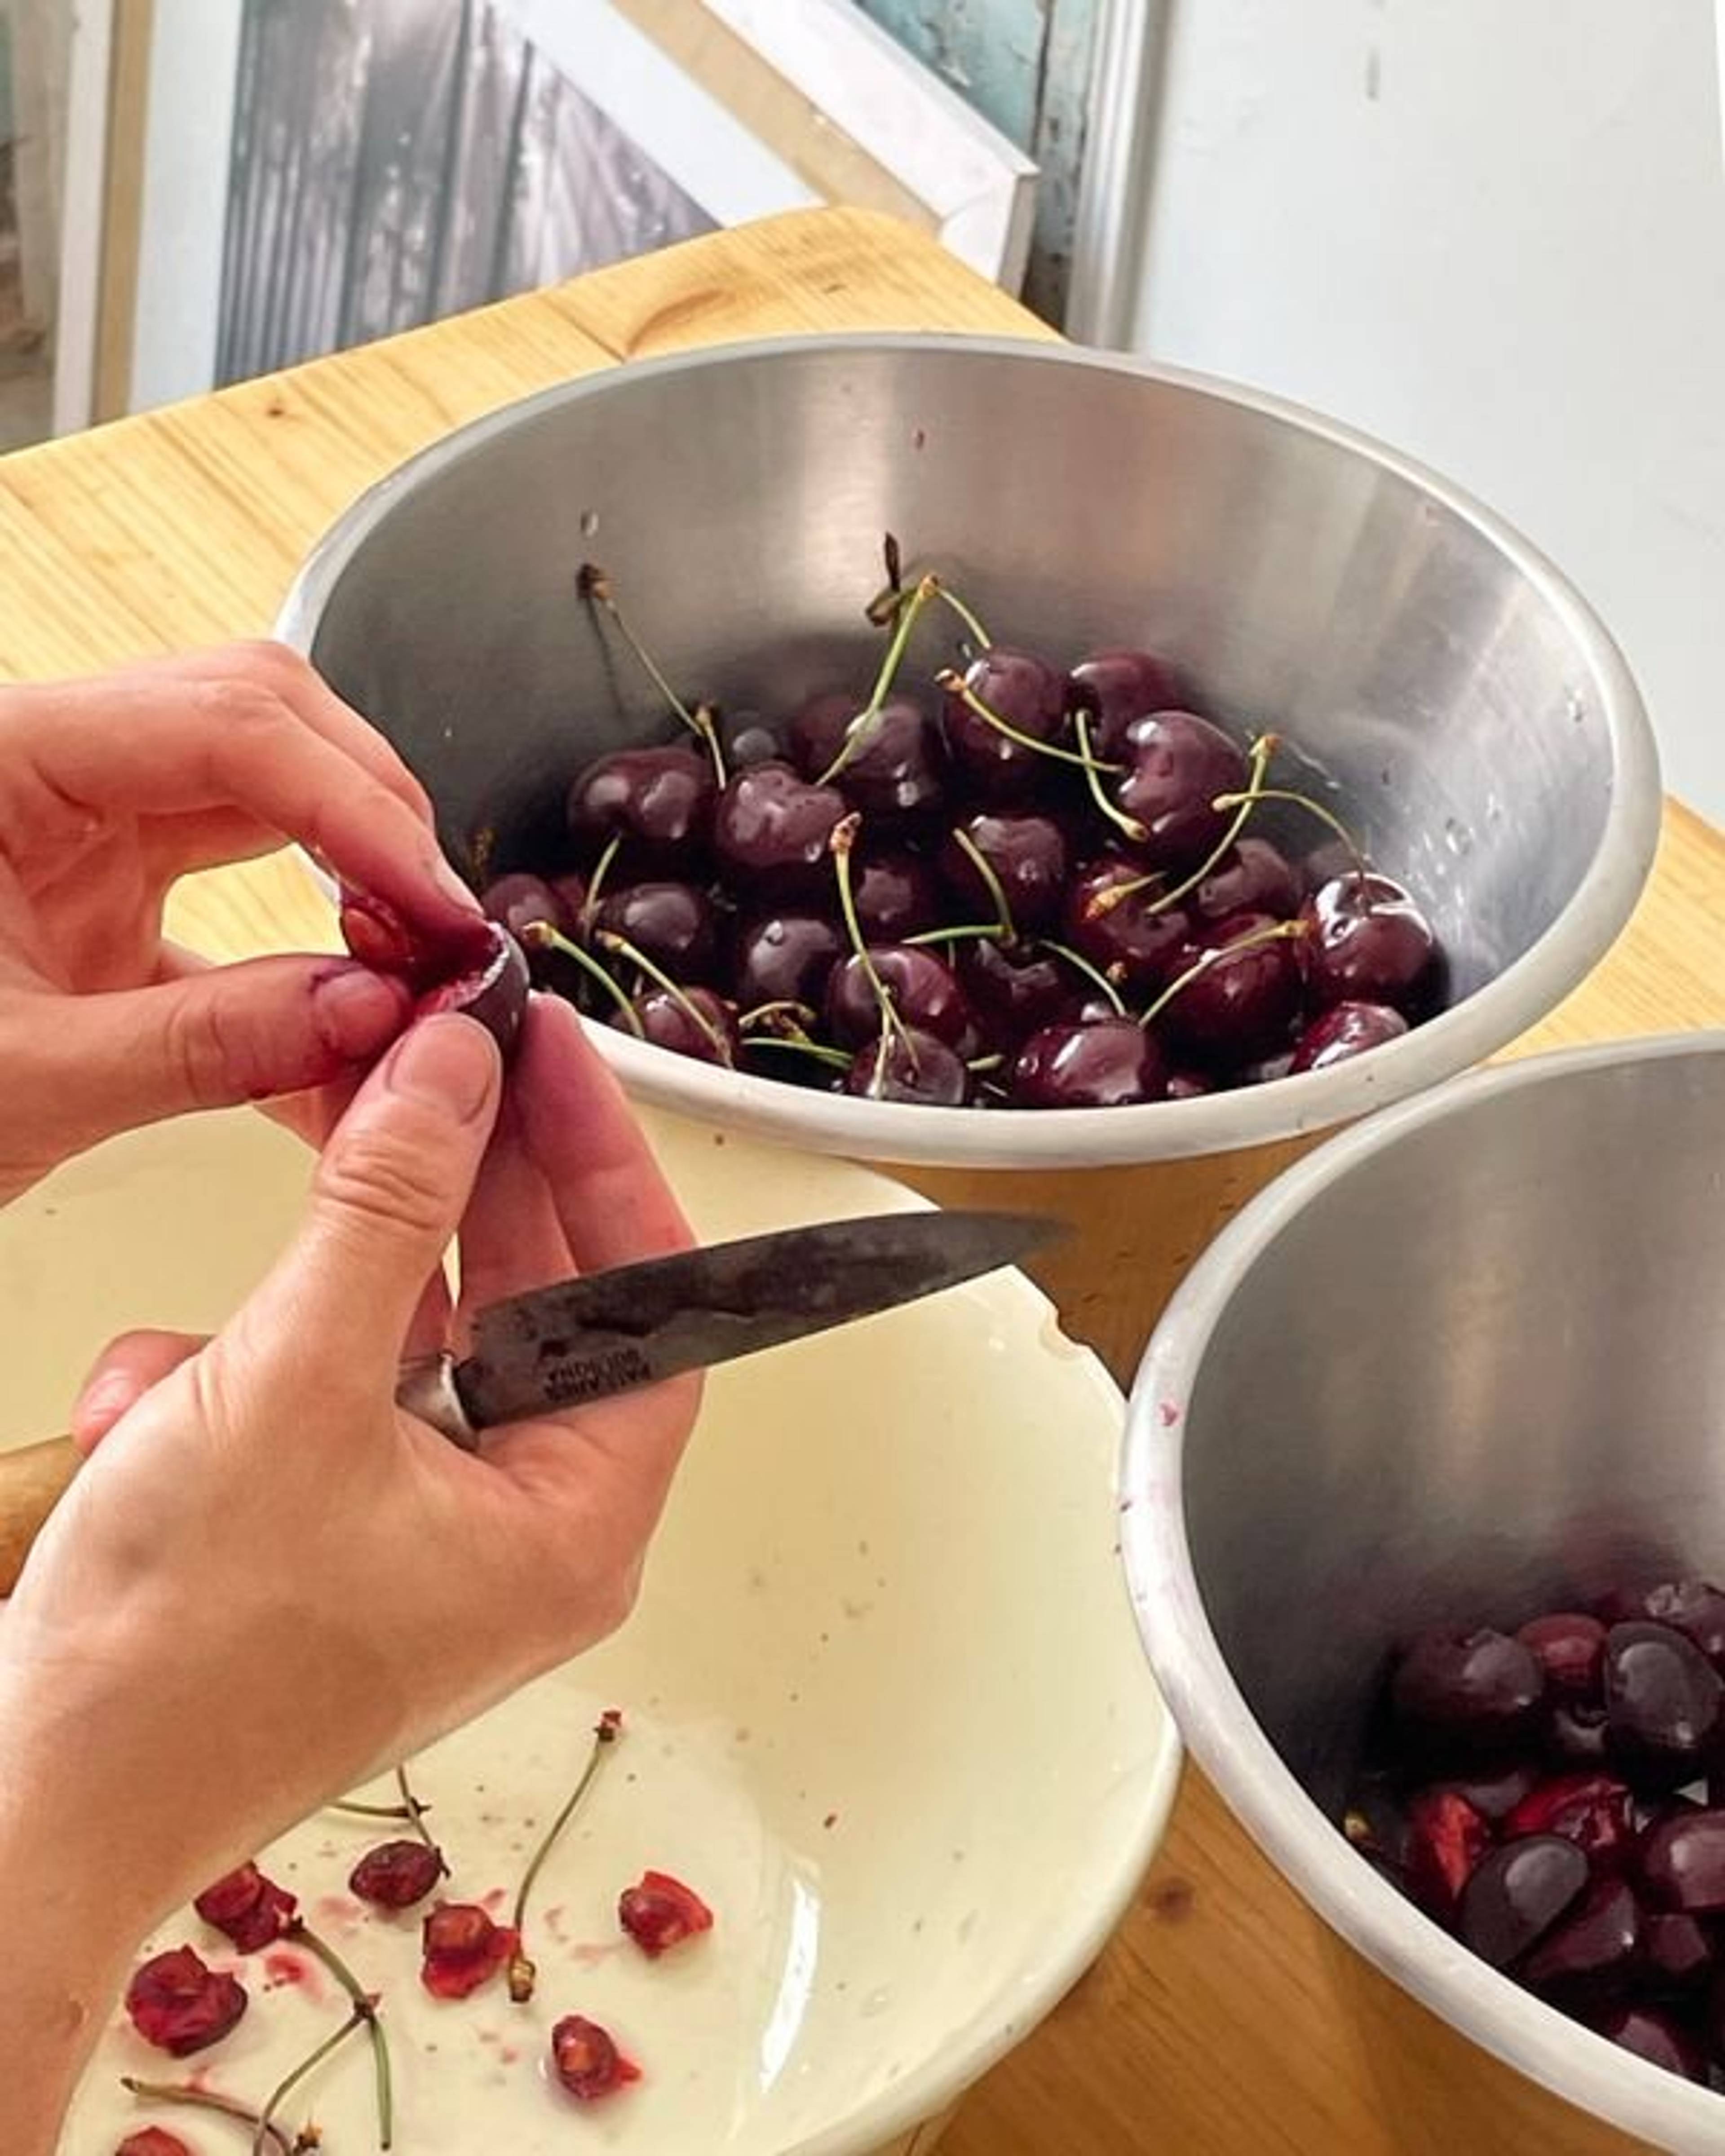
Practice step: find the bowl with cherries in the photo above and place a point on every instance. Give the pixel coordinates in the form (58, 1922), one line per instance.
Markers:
(803, 717)
(1423, 1509)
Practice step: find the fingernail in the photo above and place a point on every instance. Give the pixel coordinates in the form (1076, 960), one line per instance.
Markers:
(452, 887)
(101, 1407)
(449, 1061)
(357, 1012)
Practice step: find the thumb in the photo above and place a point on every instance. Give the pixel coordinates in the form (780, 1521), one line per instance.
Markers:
(215, 1038)
(388, 1195)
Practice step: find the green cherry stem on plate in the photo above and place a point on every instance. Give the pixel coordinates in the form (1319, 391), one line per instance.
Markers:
(594, 585)
(856, 731)
(955, 685)
(266, 2126)
(365, 2013)
(402, 1812)
(541, 936)
(1280, 931)
(227, 2107)
(1130, 825)
(522, 1974)
(1242, 803)
(621, 947)
(416, 1812)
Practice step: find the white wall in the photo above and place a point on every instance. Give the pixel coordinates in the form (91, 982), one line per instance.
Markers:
(1493, 233)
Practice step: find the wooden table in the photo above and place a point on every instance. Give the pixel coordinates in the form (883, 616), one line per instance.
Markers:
(1224, 2020)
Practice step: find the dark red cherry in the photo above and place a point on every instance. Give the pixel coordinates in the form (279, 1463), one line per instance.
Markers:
(248, 1908)
(897, 776)
(1444, 1841)
(1030, 696)
(1243, 1006)
(1118, 685)
(786, 958)
(494, 991)
(1570, 1647)
(181, 2005)
(1344, 1031)
(1694, 1609)
(1135, 945)
(1111, 1065)
(1188, 1086)
(1578, 1734)
(395, 1875)
(910, 1067)
(1662, 1702)
(585, 2060)
(1517, 1893)
(896, 894)
(771, 829)
(516, 899)
(461, 1949)
(1656, 2035)
(1593, 1952)
(1594, 1811)
(747, 739)
(659, 1912)
(925, 993)
(672, 1022)
(1676, 1951)
(1177, 763)
(1014, 988)
(659, 801)
(1252, 876)
(673, 924)
(1028, 854)
(1496, 1790)
(1368, 943)
(1681, 1862)
(1471, 1693)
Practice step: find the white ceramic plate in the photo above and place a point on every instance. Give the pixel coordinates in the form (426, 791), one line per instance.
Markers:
(886, 1707)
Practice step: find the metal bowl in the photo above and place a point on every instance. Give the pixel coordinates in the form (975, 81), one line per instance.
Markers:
(1479, 727)
(1462, 1364)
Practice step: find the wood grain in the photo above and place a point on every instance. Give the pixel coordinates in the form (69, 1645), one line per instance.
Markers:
(1224, 2020)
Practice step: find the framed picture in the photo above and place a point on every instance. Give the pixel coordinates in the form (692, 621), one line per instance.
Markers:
(262, 181)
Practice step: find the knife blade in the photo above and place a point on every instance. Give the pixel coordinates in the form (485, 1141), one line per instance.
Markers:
(579, 1340)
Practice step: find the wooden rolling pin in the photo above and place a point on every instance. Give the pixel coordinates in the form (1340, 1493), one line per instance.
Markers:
(32, 1479)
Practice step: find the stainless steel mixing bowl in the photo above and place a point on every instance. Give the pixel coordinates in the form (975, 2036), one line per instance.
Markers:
(1464, 1363)
(1479, 727)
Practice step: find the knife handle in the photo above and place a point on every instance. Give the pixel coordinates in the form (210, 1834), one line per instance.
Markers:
(32, 1480)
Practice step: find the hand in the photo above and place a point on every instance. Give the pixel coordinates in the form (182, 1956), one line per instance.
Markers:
(112, 790)
(267, 1583)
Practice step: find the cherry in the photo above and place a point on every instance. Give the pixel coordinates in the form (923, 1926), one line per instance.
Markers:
(673, 924)
(1570, 1647)
(1682, 1862)
(897, 894)
(585, 2060)
(1368, 943)
(771, 829)
(1677, 1950)
(659, 801)
(1594, 1811)
(1516, 1894)
(1026, 852)
(1030, 696)
(1014, 988)
(1662, 1701)
(1188, 1086)
(1344, 1031)
(911, 1067)
(1127, 939)
(1653, 2034)
(493, 992)
(1445, 1842)
(180, 2005)
(1176, 764)
(249, 1910)
(1473, 1692)
(924, 993)
(660, 1912)
(1251, 877)
(513, 901)
(1495, 1792)
(895, 774)
(1578, 1734)
(786, 958)
(1242, 1005)
(747, 738)
(153, 2140)
(397, 1874)
(378, 936)
(1107, 1065)
(1118, 685)
(1694, 1609)
(1593, 1950)
(462, 1949)
(693, 1022)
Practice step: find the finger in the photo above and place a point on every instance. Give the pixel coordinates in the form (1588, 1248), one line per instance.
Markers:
(614, 1204)
(432, 1325)
(511, 1239)
(105, 1063)
(389, 1190)
(122, 1374)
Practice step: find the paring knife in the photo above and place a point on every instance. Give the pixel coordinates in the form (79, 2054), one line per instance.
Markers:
(590, 1339)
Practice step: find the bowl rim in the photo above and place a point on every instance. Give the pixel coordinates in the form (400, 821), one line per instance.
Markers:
(1558, 959)
(1217, 1723)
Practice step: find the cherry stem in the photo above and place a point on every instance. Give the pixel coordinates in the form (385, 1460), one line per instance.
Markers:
(542, 936)
(979, 1064)
(1281, 931)
(602, 868)
(365, 2009)
(843, 839)
(1076, 959)
(691, 1010)
(956, 686)
(800, 1045)
(783, 1006)
(313, 2059)
(991, 882)
(1312, 807)
(986, 932)
(402, 1812)
(857, 729)
(979, 635)
(522, 1974)
(1243, 804)
(416, 1812)
(1093, 779)
(203, 2099)
(594, 585)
